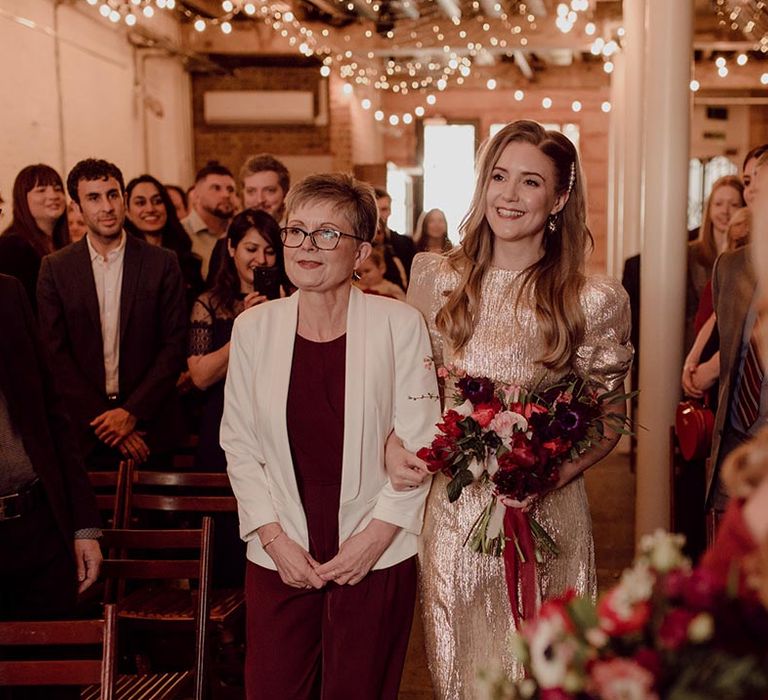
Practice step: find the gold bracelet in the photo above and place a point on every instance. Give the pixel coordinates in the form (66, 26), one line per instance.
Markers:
(264, 546)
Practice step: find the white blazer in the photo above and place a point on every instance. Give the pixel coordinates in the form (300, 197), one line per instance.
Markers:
(388, 369)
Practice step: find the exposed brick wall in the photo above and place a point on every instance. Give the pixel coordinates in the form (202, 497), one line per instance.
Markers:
(233, 144)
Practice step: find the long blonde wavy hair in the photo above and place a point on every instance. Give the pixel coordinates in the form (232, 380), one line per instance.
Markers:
(555, 280)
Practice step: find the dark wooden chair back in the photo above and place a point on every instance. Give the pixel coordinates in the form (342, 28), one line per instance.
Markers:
(186, 492)
(128, 558)
(110, 490)
(72, 670)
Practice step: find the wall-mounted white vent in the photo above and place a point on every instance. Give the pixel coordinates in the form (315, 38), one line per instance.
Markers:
(242, 107)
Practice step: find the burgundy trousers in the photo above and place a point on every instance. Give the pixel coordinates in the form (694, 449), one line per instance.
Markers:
(338, 643)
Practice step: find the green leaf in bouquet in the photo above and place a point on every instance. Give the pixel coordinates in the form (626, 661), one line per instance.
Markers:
(456, 485)
(583, 613)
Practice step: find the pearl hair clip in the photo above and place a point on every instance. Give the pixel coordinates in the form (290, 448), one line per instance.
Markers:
(572, 177)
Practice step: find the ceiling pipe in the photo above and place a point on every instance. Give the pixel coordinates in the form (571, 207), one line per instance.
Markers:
(451, 8)
(521, 61)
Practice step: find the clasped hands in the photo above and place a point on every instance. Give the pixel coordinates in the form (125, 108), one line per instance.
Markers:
(117, 428)
(355, 558)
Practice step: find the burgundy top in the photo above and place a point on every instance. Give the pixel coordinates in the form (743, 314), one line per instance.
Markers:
(315, 420)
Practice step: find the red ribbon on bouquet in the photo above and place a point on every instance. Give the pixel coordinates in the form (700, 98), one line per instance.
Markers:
(518, 529)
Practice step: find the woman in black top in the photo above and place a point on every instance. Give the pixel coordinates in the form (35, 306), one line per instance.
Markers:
(254, 251)
(39, 225)
(152, 217)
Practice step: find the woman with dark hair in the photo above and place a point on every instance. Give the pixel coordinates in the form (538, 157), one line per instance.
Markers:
(151, 216)
(431, 233)
(39, 225)
(250, 274)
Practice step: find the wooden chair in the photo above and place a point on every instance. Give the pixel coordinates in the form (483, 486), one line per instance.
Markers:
(131, 563)
(187, 492)
(110, 490)
(73, 670)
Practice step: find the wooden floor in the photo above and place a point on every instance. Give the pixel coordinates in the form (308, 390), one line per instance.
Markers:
(611, 489)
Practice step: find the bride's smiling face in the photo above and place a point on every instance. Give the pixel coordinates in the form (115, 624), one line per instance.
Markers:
(521, 193)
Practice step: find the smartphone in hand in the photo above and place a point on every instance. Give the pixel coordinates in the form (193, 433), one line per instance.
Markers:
(266, 281)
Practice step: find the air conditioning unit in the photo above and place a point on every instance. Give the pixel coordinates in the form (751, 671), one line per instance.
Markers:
(247, 107)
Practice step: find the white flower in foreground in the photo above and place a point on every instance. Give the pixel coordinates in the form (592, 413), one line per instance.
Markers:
(663, 550)
(551, 652)
(701, 628)
(636, 584)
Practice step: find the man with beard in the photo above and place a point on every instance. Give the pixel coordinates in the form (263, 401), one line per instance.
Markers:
(113, 319)
(213, 208)
(264, 182)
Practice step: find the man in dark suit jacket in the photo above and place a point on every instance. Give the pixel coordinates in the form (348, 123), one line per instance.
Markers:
(49, 523)
(112, 315)
(733, 290)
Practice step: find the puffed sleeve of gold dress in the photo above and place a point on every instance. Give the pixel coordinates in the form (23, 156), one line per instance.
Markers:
(466, 611)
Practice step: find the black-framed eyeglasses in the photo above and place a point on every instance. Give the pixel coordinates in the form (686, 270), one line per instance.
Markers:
(322, 238)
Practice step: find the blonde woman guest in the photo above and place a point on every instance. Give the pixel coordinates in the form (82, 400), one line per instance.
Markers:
(513, 303)
(726, 197)
(431, 234)
(316, 383)
(702, 364)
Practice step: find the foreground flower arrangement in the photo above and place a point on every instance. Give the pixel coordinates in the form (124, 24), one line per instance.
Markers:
(665, 631)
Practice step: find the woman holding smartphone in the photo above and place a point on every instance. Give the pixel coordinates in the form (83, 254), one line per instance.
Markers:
(252, 273)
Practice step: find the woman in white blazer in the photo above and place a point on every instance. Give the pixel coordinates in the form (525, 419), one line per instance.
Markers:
(316, 383)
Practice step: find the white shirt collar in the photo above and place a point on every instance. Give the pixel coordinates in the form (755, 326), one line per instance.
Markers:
(112, 255)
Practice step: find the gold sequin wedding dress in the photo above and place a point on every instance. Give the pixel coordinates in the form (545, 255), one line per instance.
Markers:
(466, 612)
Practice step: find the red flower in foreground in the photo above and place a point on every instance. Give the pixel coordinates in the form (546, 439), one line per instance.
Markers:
(618, 621)
(673, 631)
(555, 694)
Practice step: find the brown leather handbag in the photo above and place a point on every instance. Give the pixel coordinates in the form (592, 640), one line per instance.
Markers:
(694, 424)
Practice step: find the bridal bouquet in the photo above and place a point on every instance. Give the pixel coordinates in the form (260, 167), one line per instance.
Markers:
(665, 631)
(518, 439)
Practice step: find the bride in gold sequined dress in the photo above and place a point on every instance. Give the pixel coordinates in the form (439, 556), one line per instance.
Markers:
(513, 304)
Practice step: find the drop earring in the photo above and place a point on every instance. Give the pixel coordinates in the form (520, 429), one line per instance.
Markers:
(552, 223)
